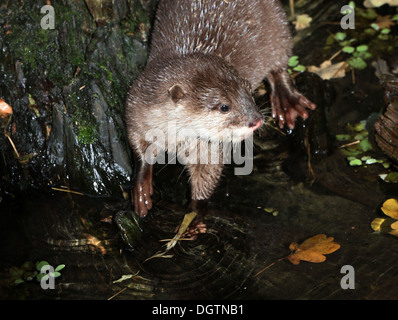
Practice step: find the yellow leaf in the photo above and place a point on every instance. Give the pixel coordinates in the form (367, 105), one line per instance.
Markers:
(376, 224)
(379, 3)
(188, 218)
(312, 249)
(390, 208)
(303, 21)
(394, 233)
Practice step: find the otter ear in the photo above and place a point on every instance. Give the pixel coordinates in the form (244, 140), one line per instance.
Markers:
(176, 93)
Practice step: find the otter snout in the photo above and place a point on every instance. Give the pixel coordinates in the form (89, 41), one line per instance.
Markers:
(254, 125)
(256, 122)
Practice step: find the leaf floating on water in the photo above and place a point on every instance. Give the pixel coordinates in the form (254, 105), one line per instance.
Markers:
(188, 218)
(313, 249)
(392, 177)
(377, 223)
(390, 208)
(355, 162)
(387, 225)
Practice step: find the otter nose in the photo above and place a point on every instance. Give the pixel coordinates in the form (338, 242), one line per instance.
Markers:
(255, 124)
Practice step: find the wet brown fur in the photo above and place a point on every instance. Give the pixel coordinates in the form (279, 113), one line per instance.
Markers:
(204, 54)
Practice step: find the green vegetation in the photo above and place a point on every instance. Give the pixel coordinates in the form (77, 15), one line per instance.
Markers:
(30, 271)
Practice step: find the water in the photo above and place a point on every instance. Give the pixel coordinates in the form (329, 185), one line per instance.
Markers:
(242, 240)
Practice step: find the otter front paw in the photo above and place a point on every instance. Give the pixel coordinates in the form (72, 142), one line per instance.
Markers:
(141, 196)
(287, 103)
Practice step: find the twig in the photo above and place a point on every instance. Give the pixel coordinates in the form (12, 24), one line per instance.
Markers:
(182, 239)
(291, 4)
(353, 76)
(269, 266)
(336, 54)
(309, 156)
(116, 294)
(9, 138)
(68, 190)
(350, 144)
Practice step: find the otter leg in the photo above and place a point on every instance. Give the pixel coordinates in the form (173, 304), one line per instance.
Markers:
(287, 103)
(204, 179)
(142, 189)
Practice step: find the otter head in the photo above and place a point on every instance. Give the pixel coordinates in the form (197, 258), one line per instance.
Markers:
(210, 98)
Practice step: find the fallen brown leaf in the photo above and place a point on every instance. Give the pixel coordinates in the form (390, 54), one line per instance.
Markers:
(313, 249)
(328, 71)
(5, 109)
(385, 22)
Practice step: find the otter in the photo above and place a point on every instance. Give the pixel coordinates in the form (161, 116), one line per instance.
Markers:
(206, 58)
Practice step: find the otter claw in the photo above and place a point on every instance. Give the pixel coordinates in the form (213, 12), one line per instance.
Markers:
(287, 103)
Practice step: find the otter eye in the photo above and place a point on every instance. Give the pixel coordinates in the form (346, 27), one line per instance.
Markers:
(224, 108)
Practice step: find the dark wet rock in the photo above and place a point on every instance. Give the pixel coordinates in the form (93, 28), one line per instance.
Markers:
(312, 136)
(77, 76)
(129, 227)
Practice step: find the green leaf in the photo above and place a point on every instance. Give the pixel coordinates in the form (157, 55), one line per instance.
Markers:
(385, 31)
(293, 61)
(18, 281)
(343, 137)
(370, 31)
(348, 49)
(28, 265)
(362, 135)
(395, 18)
(362, 48)
(55, 274)
(365, 145)
(375, 26)
(357, 63)
(355, 162)
(371, 161)
(40, 276)
(386, 165)
(340, 36)
(364, 55)
(41, 264)
(329, 40)
(300, 68)
(60, 267)
(347, 43)
(383, 37)
(369, 14)
(392, 177)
